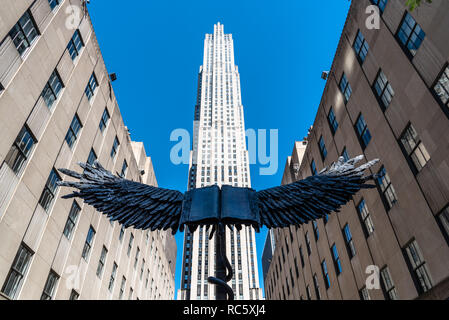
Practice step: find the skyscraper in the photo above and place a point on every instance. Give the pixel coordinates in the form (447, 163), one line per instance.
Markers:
(219, 157)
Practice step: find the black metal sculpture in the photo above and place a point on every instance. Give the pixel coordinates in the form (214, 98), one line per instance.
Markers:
(144, 207)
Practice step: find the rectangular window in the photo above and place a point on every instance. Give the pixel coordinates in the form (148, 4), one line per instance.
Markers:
(443, 219)
(91, 86)
(19, 267)
(332, 121)
(365, 216)
(345, 88)
(383, 90)
(122, 288)
(309, 250)
(381, 4)
(20, 150)
(122, 232)
(414, 148)
(112, 278)
(114, 147)
(327, 280)
(364, 294)
(75, 45)
(317, 287)
(49, 192)
(301, 255)
(102, 261)
(349, 242)
(52, 89)
(345, 154)
(410, 35)
(74, 295)
(124, 169)
(386, 188)
(387, 281)
(361, 47)
(420, 271)
(137, 257)
(336, 259)
(92, 157)
(71, 220)
(104, 120)
(24, 33)
(53, 3)
(313, 168)
(322, 147)
(315, 230)
(88, 243)
(363, 132)
(442, 87)
(72, 133)
(130, 244)
(50, 285)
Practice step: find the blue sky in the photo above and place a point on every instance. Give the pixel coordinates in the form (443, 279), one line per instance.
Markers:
(156, 49)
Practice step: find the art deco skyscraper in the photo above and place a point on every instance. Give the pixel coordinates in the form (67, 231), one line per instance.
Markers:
(219, 157)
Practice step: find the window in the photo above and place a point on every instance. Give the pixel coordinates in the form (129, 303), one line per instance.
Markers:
(386, 188)
(313, 168)
(327, 280)
(92, 157)
(18, 269)
(74, 129)
(102, 261)
(124, 169)
(362, 132)
(137, 257)
(71, 220)
(104, 120)
(50, 286)
(383, 90)
(420, 271)
(20, 150)
(410, 35)
(91, 86)
(74, 295)
(309, 251)
(345, 88)
(322, 147)
(365, 216)
(141, 268)
(349, 242)
(122, 288)
(332, 121)
(75, 45)
(387, 281)
(122, 232)
(52, 89)
(336, 259)
(114, 148)
(301, 255)
(361, 47)
(414, 148)
(308, 293)
(130, 244)
(315, 230)
(442, 87)
(364, 294)
(24, 33)
(49, 192)
(345, 154)
(443, 219)
(113, 275)
(317, 287)
(381, 4)
(88, 243)
(53, 3)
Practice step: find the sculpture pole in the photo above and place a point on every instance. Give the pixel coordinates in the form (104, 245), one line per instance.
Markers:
(221, 264)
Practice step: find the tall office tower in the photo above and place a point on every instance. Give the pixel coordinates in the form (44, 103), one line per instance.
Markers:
(386, 97)
(219, 157)
(57, 107)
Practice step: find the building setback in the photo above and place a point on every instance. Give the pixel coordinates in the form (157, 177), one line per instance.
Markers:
(219, 157)
(386, 97)
(57, 108)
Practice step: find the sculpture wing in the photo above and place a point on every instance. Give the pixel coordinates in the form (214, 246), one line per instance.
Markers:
(130, 203)
(315, 196)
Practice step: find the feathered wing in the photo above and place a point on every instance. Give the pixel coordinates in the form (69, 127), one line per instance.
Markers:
(315, 196)
(130, 203)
